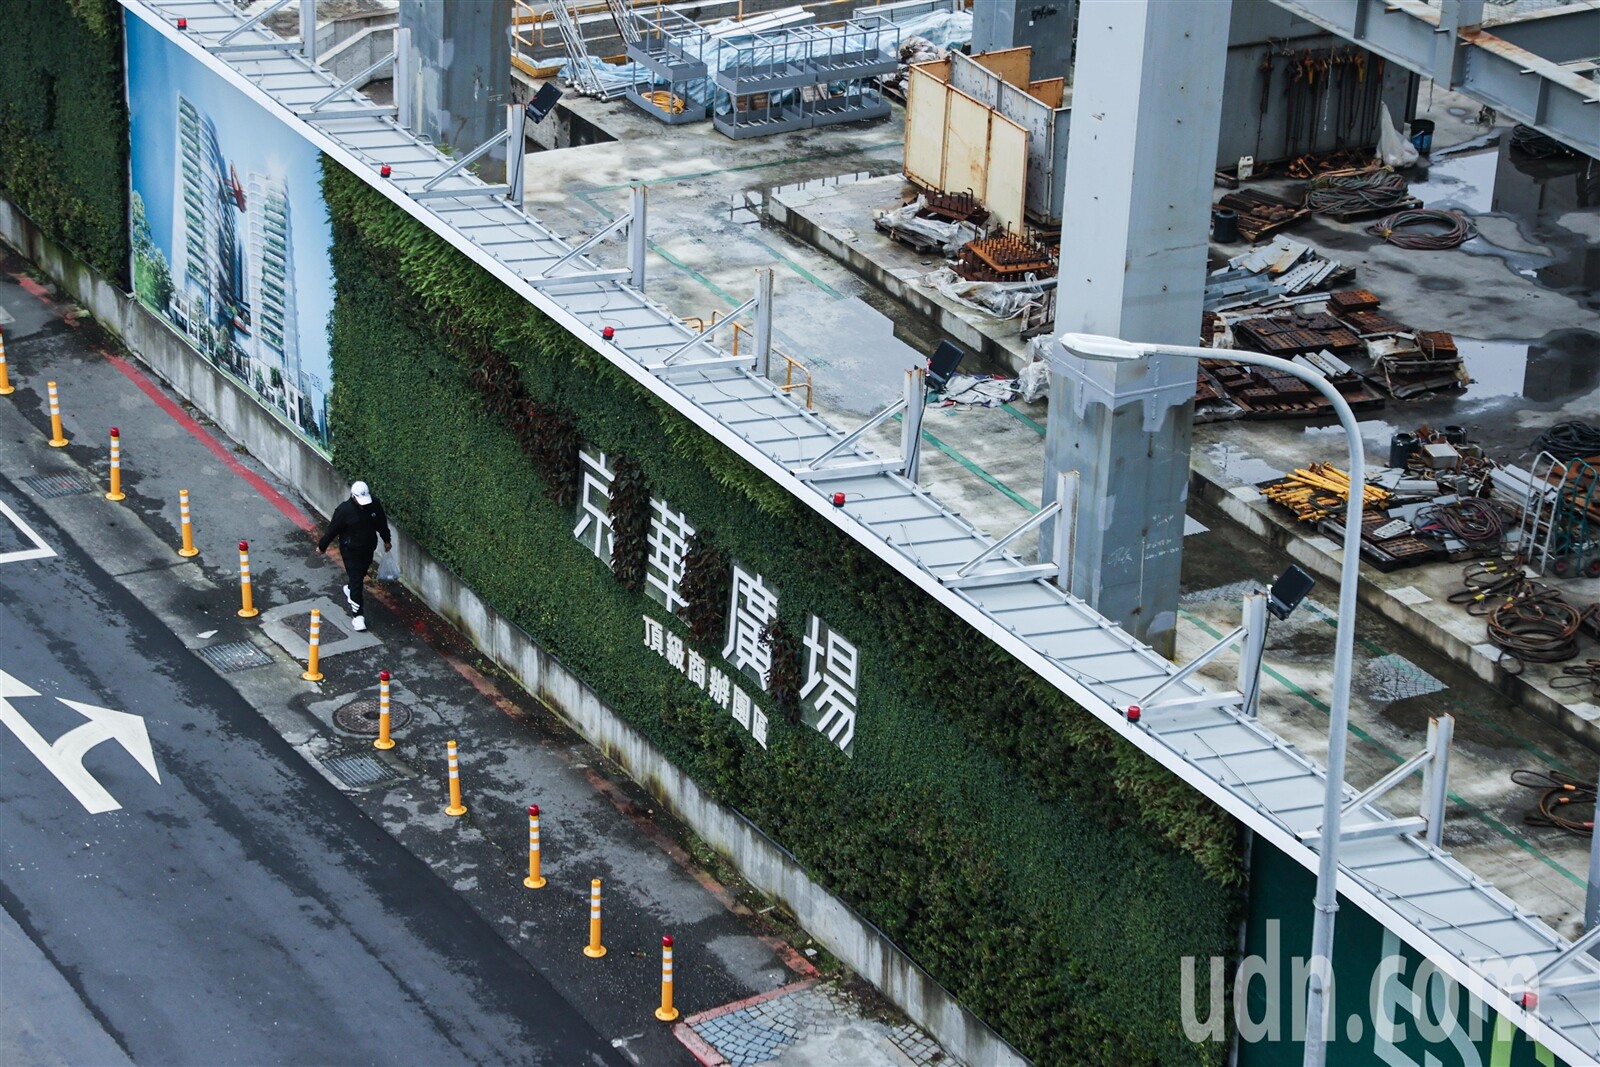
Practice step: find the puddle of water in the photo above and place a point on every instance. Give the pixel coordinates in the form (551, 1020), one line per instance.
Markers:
(1465, 181)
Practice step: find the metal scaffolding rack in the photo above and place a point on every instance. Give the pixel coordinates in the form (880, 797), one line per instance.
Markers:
(802, 76)
(674, 49)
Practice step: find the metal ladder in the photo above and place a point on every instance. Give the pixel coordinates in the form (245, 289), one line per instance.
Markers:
(1537, 532)
(581, 77)
(622, 15)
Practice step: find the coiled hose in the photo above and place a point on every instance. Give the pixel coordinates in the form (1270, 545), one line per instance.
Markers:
(1570, 440)
(1458, 229)
(1336, 194)
(1557, 793)
(1480, 523)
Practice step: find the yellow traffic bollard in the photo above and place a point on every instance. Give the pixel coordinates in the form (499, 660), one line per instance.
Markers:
(384, 741)
(535, 880)
(57, 438)
(456, 807)
(313, 652)
(594, 949)
(666, 1013)
(116, 467)
(6, 388)
(188, 548)
(247, 609)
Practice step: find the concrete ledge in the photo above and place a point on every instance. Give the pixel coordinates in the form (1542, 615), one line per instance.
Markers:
(1395, 597)
(890, 266)
(767, 866)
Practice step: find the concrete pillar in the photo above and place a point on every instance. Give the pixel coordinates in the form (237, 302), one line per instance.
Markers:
(1045, 25)
(458, 74)
(1138, 199)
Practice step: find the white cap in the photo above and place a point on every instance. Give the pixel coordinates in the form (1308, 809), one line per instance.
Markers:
(360, 493)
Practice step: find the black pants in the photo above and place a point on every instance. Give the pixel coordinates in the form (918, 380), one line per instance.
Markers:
(357, 561)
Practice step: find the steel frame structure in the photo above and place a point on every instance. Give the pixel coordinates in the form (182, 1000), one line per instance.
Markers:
(1448, 914)
(1526, 59)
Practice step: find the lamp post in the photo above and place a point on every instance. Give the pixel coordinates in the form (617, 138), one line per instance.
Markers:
(1112, 349)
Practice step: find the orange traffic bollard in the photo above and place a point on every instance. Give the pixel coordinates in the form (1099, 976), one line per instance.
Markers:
(456, 807)
(313, 650)
(535, 880)
(594, 949)
(384, 741)
(57, 438)
(247, 607)
(6, 388)
(116, 492)
(188, 548)
(666, 1013)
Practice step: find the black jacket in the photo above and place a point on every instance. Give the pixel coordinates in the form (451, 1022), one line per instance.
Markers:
(357, 526)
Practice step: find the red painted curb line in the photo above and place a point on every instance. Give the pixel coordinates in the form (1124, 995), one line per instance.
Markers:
(217, 448)
(697, 1046)
(748, 1002)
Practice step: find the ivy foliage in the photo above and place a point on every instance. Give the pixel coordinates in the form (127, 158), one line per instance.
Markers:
(64, 125)
(1042, 870)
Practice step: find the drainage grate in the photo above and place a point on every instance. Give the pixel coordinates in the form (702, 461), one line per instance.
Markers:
(360, 716)
(54, 485)
(1394, 677)
(327, 633)
(359, 770)
(233, 656)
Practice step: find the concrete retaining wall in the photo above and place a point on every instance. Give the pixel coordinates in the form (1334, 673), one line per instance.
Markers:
(767, 866)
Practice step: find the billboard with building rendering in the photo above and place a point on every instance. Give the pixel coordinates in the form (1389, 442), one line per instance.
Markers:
(230, 232)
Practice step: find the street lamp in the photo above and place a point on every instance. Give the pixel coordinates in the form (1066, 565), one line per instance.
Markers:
(1114, 350)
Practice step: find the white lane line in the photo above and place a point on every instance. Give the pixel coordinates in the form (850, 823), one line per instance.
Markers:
(41, 551)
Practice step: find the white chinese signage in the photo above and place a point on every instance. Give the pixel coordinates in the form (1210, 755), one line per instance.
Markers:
(594, 503)
(829, 693)
(714, 682)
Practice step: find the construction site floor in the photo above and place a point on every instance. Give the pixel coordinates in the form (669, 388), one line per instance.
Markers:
(1521, 299)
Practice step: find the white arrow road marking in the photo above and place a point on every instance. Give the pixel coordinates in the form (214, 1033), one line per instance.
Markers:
(40, 549)
(64, 759)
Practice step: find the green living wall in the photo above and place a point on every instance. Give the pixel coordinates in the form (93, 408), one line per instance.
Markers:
(1046, 873)
(64, 125)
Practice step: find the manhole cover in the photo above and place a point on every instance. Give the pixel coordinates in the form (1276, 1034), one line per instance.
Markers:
(359, 770)
(360, 716)
(1394, 677)
(54, 485)
(233, 656)
(300, 625)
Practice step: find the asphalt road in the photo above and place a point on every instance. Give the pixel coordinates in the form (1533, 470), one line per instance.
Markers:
(241, 909)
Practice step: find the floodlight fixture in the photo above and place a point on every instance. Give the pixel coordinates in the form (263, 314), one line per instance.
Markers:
(1287, 592)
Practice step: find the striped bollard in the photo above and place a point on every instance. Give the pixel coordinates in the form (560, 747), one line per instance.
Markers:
(247, 600)
(313, 649)
(594, 949)
(666, 1013)
(384, 741)
(456, 807)
(6, 388)
(57, 438)
(188, 548)
(116, 492)
(535, 880)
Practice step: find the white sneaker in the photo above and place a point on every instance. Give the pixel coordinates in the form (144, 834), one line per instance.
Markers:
(353, 609)
(359, 623)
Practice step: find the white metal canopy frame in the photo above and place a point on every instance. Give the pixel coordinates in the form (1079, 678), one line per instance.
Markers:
(1430, 901)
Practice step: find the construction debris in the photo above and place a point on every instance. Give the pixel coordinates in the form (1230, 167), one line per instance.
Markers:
(1320, 491)
(1007, 257)
(914, 224)
(1260, 214)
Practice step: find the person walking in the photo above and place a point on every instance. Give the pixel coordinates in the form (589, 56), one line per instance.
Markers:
(357, 523)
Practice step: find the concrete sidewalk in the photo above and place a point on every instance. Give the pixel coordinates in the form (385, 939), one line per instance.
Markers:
(595, 823)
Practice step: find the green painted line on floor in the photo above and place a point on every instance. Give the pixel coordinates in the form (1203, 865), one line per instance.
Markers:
(861, 151)
(1026, 420)
(991, 480)
(1482, 816)
(802, 271)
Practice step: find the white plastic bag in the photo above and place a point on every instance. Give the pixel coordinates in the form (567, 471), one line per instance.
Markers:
(1394, 149)
(388, 568)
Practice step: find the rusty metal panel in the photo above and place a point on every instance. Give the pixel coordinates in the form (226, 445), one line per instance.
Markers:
(926, 104)
(1008, 172)
(966, 150)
